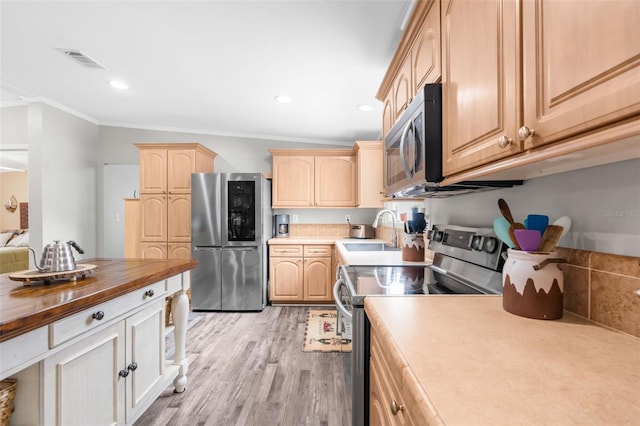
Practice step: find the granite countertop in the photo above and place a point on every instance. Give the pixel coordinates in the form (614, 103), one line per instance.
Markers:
(25, 308)
(472, 362)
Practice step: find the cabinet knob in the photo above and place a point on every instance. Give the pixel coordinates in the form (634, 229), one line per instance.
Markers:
(504, 141)
(149, 293)
(132, 366)
(123, 373)
(395, 407)
(524, 132)
(98, 315)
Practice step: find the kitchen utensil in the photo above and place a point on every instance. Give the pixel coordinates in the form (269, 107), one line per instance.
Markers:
(550, 238)
(501, 228)
(565, 222)
(538, 222)
(528, 239)
(419, 223)
(57, 257)
(506, 212)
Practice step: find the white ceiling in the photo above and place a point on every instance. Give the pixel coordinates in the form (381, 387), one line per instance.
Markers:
(209, 67)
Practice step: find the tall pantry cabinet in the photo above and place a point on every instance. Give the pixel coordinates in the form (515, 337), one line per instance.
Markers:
(165, 197)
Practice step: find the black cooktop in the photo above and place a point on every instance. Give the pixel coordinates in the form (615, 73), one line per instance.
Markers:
(386, 280)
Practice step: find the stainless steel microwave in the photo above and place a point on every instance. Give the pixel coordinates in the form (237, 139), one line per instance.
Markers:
(413, 152)
(413, 146)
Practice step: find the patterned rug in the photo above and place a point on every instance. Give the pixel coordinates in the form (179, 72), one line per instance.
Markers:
(320, 334)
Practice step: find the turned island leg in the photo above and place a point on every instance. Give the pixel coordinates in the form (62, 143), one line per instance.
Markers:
(180, 312)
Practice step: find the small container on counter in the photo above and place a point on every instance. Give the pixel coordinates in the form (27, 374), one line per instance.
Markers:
(533, 285)
(413, 247)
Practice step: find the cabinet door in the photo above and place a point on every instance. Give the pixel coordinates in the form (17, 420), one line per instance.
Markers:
(81, 383)
(144, 356)
(179, 251)
(379, 398)
(153, 215)
(425, 52)
(285, 279)
(157, 250)
(480, 76)
(388, 114)
(335, 181)
(370, 159)
(153, 170)
(132, 227)
(293, 179)
(403, 87)
(317, 279)
(180, 164)
(179, 218)
(581, 70)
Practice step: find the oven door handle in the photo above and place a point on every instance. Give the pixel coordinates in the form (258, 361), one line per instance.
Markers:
(336, 296)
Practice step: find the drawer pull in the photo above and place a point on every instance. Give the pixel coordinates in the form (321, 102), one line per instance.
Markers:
(132, 366)
(98, 315)
(149, 293)
(123, 373)
(395, 407)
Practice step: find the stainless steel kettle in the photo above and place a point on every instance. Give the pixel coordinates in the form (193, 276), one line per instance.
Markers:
(57, 257)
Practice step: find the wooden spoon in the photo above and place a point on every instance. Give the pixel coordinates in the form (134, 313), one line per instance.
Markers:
(550, 238)
(506, 212)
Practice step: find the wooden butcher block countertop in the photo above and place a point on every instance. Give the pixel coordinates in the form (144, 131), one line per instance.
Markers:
(23, 309)
(471, 362)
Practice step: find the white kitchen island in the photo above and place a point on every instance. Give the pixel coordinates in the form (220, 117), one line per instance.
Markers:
(92, 351)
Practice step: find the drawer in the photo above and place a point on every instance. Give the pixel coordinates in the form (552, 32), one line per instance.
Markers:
(174, 283)
(82, 322)
(285, 250)
(323, 250)
(19, 352)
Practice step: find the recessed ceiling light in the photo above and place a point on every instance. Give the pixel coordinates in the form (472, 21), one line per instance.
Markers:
(365, 107)
(118, 85)
(283, 99)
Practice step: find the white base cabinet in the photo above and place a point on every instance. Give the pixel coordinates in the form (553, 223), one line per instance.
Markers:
(104, 371)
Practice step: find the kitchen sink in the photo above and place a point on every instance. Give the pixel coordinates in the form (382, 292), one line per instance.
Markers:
(369, 247)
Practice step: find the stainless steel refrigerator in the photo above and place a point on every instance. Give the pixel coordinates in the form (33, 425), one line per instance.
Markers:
(230, 225)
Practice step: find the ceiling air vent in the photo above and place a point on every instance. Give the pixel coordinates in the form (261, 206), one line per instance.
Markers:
(81, 58)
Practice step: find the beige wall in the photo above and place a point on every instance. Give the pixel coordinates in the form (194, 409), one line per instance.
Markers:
(16, 184)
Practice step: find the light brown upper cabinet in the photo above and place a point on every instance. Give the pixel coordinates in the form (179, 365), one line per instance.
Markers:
(293, 180)
(335, 181)
(581, 70)
(415, 63)
(313, 178)
(480, 77)
(370, 161)
(577, 87)
(165, 195)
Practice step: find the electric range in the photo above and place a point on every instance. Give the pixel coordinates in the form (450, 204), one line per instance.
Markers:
(466, 261)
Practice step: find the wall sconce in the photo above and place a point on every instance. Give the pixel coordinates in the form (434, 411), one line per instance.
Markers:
(12, 204)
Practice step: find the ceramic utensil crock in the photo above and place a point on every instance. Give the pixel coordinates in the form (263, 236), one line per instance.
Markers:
(533, 285)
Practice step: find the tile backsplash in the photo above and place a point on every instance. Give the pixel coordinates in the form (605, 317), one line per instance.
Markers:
(319, 230)
(604, 288)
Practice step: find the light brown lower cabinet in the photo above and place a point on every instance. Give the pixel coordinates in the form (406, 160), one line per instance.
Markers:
(300, 273)
(154, 250)
(389, 402)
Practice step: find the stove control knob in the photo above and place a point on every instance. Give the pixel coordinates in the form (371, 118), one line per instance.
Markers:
(476, 242)
(490, 244)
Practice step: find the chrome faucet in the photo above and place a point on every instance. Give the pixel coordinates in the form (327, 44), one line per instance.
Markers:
(394, 236)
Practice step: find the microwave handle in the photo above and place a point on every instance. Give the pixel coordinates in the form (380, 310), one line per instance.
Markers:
(403, 141)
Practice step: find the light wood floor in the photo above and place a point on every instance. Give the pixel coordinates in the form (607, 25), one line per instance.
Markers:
(249, 369)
